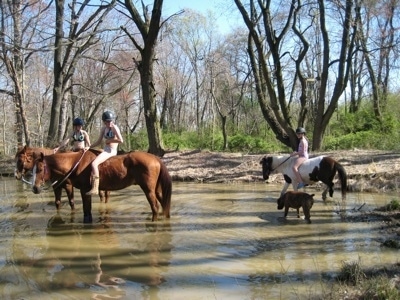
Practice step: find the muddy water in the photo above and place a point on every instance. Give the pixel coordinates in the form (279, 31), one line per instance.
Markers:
(222, 242)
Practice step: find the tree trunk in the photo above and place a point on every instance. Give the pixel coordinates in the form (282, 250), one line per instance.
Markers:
(149, 29)
(53, 133)
(149, 102)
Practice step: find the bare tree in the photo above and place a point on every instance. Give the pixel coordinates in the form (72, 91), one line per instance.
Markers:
(377, 35)
(68, 49)
(17, 34)
(149, 28)
(275, 61)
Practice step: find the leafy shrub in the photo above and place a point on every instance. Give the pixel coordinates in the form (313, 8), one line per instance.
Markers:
(351, 273)
(393, 205)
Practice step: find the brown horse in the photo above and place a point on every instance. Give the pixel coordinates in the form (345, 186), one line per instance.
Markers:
(116, 173)
(24, 163)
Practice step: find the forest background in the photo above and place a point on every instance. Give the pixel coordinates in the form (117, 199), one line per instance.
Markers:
(175, 82)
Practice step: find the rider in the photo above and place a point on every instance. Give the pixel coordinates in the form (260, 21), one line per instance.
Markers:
(301, 153)
(112, 136)
(79, 136)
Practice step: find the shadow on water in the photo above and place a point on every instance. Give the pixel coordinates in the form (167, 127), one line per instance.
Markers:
(222, 241)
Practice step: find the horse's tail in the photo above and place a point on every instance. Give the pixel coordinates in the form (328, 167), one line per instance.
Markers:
(165, 180)
(343, 178)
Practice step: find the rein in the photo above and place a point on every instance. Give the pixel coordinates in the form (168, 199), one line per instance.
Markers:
(280, 164)
(56, 184)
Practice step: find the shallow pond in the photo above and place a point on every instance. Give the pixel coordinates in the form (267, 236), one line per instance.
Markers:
(223, 241)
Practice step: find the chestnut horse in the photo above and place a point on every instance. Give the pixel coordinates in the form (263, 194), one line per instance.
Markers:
(24, 163)
(116, 173)
(320, 168)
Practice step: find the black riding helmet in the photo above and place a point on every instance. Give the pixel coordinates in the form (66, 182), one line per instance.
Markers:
(77, 122)
(300, 130)
(107, 116)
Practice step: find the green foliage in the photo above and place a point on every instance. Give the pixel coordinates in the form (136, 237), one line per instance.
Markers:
(351, 273)
(363, 139)
(393, 205)
(136, 141)
(346, 131)
(363, 130)
(380, 288)
(245, 143)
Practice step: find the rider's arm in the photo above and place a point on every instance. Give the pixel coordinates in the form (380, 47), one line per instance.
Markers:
(62, 145)
(98, 142)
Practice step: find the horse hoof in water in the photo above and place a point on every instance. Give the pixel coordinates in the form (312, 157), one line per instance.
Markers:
(36, 190)
(88, 219)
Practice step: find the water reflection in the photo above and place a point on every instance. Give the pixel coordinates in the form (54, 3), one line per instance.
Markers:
(222, 241)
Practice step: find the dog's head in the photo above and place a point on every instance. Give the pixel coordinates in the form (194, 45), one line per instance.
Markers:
(309, 199)
(281, 202)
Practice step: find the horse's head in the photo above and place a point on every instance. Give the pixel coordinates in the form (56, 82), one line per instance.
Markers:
(266, 163)
(40, 174)
(23, 162)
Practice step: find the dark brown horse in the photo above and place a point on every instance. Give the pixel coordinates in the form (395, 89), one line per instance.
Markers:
(116, 173)
(24, 163)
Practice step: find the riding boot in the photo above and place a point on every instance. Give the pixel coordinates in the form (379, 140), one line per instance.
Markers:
(95, 186)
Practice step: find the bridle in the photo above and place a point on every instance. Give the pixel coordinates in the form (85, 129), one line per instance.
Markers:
(270, 170)
(56, 184)
(281, 164)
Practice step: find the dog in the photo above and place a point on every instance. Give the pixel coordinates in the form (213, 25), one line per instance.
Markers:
(296, 200)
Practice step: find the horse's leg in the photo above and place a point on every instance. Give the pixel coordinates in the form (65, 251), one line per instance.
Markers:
(87, 207)
(152, 199)
(103, 196)
(325, 192)
(57, 196)
(298, 212)
(285, 187)
(69, 189)
(106, 196)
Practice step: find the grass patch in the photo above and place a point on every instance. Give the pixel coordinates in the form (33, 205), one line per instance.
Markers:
(354, 283)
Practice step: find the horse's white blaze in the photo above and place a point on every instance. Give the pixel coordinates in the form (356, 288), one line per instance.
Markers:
(34, 174)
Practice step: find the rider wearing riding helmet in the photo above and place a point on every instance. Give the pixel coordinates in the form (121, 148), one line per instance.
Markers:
(301, 153)
(79, 137)
(112, 137)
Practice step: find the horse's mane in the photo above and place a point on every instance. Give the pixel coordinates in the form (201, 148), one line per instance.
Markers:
(62, 161)
(278, 159)
(33, 152)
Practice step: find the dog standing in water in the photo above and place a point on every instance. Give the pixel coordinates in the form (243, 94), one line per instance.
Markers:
(296, 200)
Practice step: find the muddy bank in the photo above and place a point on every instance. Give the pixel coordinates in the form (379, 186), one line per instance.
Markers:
(367, 171)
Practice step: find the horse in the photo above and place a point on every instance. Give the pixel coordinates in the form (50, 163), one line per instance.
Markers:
(24, 163)
(116, 173)
(320, 168)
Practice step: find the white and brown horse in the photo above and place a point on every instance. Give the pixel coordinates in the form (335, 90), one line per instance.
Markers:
(320, 168)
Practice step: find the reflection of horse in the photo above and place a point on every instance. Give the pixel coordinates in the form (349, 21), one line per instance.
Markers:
(24, 162)
(321, 168)
(104, 260)
(116, 173)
